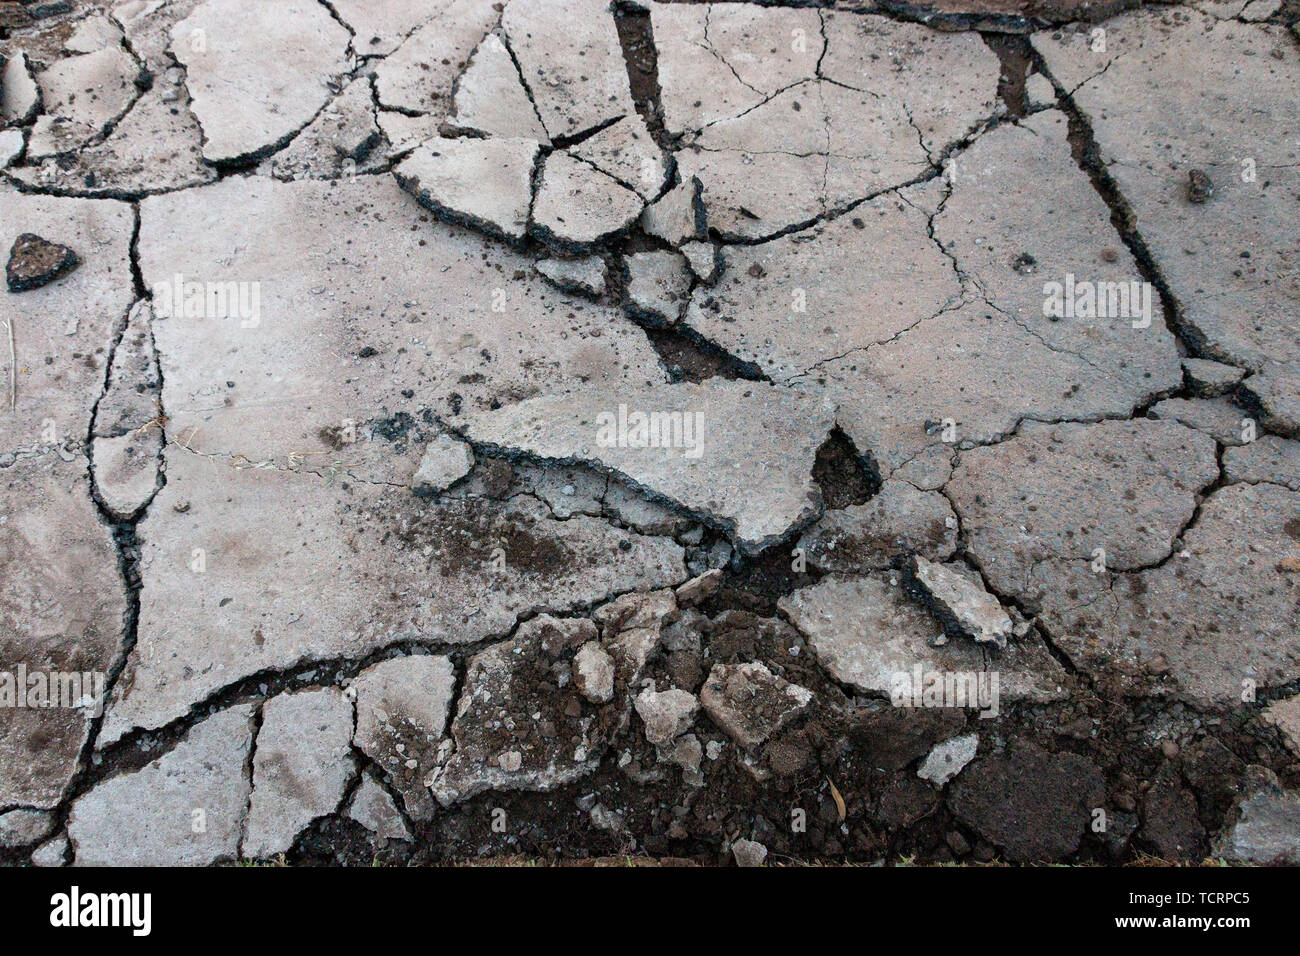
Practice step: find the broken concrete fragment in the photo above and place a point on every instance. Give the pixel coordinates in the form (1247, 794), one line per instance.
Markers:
(51, 853)
(593, 673)
(774, 431)
(446, 460)
(11, 145)
(666, 714)
(704, 260)
(490, 100)
(677, 217)
(373, 808)
(586, 275)
(63, 613)
(183, 809)
(34, 262)
(379, 28)
(632, 626)
(948, 759)
(483, 183)
(897, 520)
(699, 589)
(626, 151)
(658, 286)
(335, 143)
(1218, 417)
(1211, 379)
(748, 853)
(514, 729)
(960, 601)
(1267, 458)
(126, 470)
(577, 205)
(22, 826)
(92, 34)
(1032, 804)
(402, 705)
(1039, 92)
(110, 73)
(417, 78)
(285, 58)
(750, 703)
(301, 767)
(404, 133)
(573, 64)
(20, 97)
(132, 400)
(1263, 827)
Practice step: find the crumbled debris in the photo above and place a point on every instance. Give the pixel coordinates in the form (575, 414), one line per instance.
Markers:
(446, 460)
(948, 759)
(748, 853)
(751, 703)
(1199, 187)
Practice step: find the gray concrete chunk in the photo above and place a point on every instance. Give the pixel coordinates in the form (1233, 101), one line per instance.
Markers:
(490, 100)
(485, 183)
(577, 205)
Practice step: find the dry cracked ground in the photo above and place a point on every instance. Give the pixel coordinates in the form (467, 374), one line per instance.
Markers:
(444, 429)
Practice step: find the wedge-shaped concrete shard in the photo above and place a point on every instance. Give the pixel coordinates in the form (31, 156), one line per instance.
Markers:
(627, 152)
(402, 707)
(738, 454)
(418, 77)
(63, 618)
(577, 205)
(62, 331)
(490, 98)
(986, 366)
(572, 64)
(854, 282)
(484, 183)
(284, 55)
(19, 95)
(242, 551)
(718, 60)
(336, 143)
(184, 809)
(1229, 261)
(870, 635)
(301, 767)
(312, 298)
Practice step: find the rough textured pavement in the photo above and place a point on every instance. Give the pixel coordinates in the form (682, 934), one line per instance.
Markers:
(439, 429)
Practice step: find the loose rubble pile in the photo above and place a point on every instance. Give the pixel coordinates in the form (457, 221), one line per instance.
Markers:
(441, 429)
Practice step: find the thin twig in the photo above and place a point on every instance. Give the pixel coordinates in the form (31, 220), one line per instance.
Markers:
(13, 368)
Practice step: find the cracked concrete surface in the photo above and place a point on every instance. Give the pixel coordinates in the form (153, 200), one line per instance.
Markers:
(470, 430)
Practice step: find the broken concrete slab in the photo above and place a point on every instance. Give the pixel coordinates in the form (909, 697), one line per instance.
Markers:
(357, 375)
(417, 78)
(704, 260)
(134, 393)
(677, 217)
(577, 205)
(856, 281)
(92, 34)
(183, 809)
(11, 145)
(483, 183)
(63, 617)
(446, 460)
(959, 601)
(126, 470)
(1268, 458)
(1032, 804)
(719, 60)
(1239, 243)
(20, 97)
(515, 729)
(776, 433)
(573, 66)
(490, 99)
(336, 143)
(373, 807)
(21, 826)
(90, 90)
(379, 28)
(627, 152)
(585, 275)
(1211, 379)
(52, 853)
(301, 767)
(750, 703)
(451, 571)
(402, 707)
(948, 759)
(1063, 491)
(658, 286)
(898, 520)
(285, 56)
(1217, 417)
